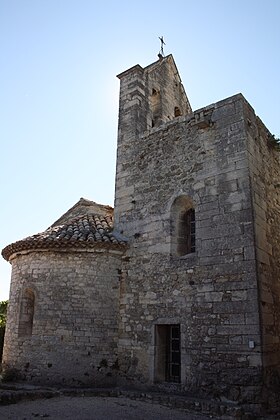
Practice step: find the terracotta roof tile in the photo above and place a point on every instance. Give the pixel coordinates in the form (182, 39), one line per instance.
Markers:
(85, 231)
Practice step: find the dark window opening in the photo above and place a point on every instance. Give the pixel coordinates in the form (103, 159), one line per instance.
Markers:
(177, 112)
(26, 313)
(186, 233)
(156, 107)
(168, 353)
(182, 226)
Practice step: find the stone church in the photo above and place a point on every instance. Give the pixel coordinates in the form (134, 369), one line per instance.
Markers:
(178, 286)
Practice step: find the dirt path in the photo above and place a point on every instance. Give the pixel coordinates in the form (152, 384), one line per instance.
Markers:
(92, 408)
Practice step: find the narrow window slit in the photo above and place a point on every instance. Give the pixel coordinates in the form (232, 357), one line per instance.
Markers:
(26, 314)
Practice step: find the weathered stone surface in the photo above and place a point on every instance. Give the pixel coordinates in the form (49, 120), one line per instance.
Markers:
(218, 304)
(74, 335)
(111, 309)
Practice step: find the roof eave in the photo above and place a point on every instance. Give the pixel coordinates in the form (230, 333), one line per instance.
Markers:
(11, 252)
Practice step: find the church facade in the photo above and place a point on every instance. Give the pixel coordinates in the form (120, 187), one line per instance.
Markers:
(178, 286)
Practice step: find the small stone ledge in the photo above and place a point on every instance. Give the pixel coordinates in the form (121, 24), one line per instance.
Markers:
(13, 396)
(201, 119)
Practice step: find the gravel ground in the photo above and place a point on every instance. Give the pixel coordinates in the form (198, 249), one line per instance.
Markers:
(92, 408)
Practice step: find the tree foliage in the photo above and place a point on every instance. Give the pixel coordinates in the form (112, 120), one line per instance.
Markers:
(3, 313)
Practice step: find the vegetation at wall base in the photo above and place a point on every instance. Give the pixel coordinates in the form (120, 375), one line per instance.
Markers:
(3, 315)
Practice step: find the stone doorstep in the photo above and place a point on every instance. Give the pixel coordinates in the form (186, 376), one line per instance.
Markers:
(15, 392)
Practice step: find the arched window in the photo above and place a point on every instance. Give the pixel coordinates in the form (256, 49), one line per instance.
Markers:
(182, 226)
(26, 313)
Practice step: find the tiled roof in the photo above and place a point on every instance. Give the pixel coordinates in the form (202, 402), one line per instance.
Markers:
(85, 231)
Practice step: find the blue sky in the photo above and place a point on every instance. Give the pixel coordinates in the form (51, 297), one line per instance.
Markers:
(59, 93)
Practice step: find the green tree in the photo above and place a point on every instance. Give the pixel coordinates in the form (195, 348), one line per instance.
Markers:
(3, 316)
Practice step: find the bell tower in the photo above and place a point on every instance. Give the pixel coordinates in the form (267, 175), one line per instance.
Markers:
(149, 98)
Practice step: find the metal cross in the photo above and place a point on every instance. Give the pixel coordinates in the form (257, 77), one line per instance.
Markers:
(162, 43)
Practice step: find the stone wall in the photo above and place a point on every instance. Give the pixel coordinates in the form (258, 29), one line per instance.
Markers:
(211, 293)
(148, 98)
(265, 180)
(74, 334)
(101, 317)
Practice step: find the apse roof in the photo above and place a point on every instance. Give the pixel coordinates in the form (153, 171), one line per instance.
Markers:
(86, 225)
